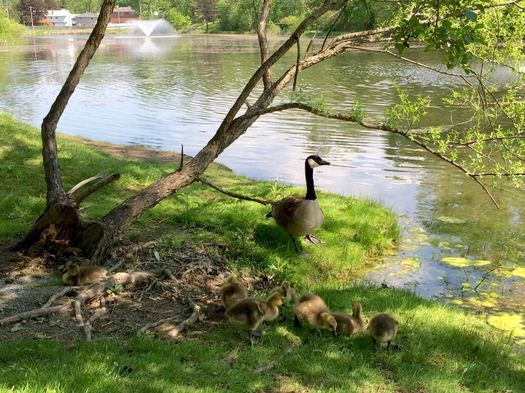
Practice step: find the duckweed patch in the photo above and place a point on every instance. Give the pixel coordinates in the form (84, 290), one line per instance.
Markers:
(464, 262)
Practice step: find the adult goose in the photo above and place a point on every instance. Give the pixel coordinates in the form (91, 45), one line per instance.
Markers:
(301, 216)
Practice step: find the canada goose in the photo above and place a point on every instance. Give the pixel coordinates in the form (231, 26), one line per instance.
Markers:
(350, 324)
(312, 309)
(301, 216)
(251, 313)
(232, 291)
(383, 329)
(83, 275)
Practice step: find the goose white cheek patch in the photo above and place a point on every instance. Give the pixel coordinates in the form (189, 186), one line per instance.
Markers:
(312, 163)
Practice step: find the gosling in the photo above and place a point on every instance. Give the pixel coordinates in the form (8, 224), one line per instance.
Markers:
(83, 275)
(251, 313)
(312, 309)
(232, 291)
(350, 324)
(383, 329)
(286, 290)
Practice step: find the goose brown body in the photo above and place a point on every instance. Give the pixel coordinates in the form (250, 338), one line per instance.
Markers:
(297, 215)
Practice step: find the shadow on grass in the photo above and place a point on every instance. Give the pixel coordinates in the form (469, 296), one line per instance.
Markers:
(441, 349)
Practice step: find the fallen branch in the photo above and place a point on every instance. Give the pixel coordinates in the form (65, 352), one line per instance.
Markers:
(233, 194)
(177, 330)
(83, 297)
(88, 325)
(78, 314)
(35, 313)
(56, 296)
(150, 325)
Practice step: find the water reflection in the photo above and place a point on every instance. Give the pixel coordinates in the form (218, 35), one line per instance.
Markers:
(165, 91)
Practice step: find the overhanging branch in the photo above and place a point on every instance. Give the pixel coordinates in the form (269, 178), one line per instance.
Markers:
(371, 124)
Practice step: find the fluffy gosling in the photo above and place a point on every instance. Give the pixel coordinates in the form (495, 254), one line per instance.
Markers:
(232, 291)
(251, 313)
(312, 309)
(383, 329)
(350, 324)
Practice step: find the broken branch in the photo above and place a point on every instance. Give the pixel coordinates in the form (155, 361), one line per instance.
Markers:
(78, 197)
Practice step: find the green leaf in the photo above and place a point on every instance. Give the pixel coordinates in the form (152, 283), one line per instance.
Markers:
(400, 47)
(471, 15)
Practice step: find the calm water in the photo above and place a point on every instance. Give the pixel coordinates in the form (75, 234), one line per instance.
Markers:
(165, 91)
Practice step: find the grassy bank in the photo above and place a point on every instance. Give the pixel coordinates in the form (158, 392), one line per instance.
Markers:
(354, 229)
(442, 349)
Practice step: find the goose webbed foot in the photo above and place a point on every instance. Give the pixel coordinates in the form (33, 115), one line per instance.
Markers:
(255, 337)
(312, 239)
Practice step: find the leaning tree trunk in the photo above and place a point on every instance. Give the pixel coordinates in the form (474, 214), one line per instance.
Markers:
(61, 222)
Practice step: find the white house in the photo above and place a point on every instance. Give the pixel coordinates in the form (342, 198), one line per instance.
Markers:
(60, 18)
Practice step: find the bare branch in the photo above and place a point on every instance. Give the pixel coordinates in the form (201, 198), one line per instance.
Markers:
(56, 296)
(35, 313)
(234, 194)
(298, 59)
(332, 25)
(195, 315)
(278, 54)
(370, 123)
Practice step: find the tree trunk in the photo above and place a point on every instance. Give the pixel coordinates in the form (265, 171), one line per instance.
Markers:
(61, 223)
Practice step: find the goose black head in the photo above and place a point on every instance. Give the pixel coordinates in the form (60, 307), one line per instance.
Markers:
(315, 161)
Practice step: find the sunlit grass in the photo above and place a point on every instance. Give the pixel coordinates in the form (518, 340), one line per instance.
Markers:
(354, 229)
(442, 348)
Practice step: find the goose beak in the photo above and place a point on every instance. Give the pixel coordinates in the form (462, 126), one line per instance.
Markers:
(323, 162)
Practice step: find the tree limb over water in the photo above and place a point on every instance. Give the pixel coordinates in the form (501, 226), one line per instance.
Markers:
(473, 37)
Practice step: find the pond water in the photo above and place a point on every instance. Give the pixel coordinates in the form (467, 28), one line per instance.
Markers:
(166, 91)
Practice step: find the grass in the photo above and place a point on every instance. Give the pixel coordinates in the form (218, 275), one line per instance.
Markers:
(355, 229)
(442, 348)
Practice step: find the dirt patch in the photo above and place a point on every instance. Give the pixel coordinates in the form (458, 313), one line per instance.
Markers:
(182, 276)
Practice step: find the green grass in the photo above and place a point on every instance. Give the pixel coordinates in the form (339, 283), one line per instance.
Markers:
(442, 348)
(354, 230)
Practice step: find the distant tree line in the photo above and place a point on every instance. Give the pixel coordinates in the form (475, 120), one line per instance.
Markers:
(221, 15)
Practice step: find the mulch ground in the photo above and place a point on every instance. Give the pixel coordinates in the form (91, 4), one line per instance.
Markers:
(182, 276)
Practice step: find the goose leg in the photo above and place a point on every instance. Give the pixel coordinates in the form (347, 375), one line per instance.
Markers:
(312, 239)
(295, 244)
(296, 322)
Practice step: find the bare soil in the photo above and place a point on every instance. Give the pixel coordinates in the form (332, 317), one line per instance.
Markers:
(182, 276)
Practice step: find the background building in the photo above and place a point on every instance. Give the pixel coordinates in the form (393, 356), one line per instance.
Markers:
(60, 18)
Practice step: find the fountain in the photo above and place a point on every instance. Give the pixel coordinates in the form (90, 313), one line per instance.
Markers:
(148, 26)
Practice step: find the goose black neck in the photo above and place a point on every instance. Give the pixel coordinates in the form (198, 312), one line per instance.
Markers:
(309, 174)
